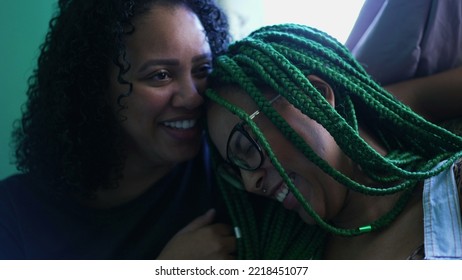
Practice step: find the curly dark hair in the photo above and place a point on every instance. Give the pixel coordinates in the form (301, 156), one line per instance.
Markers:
(69, 134)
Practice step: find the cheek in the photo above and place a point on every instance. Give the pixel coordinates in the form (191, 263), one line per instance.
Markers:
(220, 122)
(287, 154)
(145, 103)
(218, 135)
(292, 159)
(284, 147)
(317, 137)
(201, 86)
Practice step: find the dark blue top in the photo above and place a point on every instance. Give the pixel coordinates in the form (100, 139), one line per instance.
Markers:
(36, 225)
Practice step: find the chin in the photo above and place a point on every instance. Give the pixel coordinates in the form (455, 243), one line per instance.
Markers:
(186, 153)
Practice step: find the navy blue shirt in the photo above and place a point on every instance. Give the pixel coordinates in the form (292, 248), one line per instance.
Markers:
(35, 225)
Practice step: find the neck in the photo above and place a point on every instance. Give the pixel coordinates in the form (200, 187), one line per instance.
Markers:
(371, 208)
(361, 210)
(396, 241)
(353, 214)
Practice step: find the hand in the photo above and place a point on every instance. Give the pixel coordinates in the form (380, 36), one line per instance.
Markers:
(201, 240)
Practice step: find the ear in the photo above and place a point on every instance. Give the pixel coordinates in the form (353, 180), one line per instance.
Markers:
(323, 87)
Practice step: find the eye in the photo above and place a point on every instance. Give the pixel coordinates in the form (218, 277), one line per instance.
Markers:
(244, 147)
(160, 77)
(203, 70)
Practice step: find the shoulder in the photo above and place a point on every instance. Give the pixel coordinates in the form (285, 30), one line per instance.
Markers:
(15, 184)
(10, 216)
(12, 189)
(16, 179)
(12, 182)
(18, 194)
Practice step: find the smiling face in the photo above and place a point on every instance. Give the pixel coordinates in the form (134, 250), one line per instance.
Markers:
(170, 60)
(326, 196)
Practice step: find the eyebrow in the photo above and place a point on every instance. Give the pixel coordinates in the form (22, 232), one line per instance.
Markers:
(153, 62)
(172, 62)
(201, 57)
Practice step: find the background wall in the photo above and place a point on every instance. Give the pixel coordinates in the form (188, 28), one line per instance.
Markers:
(335, 17)
(244, 16)
(23, 25)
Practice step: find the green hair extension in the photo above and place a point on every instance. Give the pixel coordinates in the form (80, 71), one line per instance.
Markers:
(267, 230)
(281, 57)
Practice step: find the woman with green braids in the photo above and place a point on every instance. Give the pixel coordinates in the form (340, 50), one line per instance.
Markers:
(298, 120)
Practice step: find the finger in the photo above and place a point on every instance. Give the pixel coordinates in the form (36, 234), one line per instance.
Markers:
(229, 244)
(199, 222)
(221, 229)
(225, 245)
(225, 250)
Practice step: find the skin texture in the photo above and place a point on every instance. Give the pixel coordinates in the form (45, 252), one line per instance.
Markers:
(221, 121)
(83, 55)
(436, 97)
(331, 200)
(112, 108)
(201, 240)
(170, 61)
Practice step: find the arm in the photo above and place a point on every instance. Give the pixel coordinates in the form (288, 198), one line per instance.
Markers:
(437, 97)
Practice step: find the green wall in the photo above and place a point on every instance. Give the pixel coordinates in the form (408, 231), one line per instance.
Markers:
(23, 25)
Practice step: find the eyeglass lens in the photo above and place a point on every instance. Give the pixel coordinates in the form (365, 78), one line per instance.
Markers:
(243, 151)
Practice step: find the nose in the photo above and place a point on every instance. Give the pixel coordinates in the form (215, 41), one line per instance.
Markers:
(254, 181)
(188, 94)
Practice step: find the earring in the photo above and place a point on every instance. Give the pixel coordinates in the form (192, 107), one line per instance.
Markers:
(264, 190)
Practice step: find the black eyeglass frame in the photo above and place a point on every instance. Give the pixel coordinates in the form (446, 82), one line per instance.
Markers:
(239, 127)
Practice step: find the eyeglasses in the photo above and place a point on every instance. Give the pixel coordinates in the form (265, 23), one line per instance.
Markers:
(242, 150)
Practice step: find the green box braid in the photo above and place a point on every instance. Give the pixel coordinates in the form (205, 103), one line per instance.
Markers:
(281, 57)
(267, 230)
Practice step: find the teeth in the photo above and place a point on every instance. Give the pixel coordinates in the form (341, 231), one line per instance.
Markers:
(284, 190)
(185, 124)
(282, 194)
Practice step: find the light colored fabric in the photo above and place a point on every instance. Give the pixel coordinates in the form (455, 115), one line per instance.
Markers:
(396, 40)
(442, 217)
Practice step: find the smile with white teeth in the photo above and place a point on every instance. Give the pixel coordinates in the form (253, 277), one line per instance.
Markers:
(282, 193)
(183, 124)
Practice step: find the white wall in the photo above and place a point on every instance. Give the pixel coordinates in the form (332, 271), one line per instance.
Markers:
(335, 17)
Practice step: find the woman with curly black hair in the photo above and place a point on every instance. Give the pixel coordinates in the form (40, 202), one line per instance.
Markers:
(110, 142)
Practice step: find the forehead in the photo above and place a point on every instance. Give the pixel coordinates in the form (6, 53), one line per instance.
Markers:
(167, 31)
(221, 121)
(236, 96)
